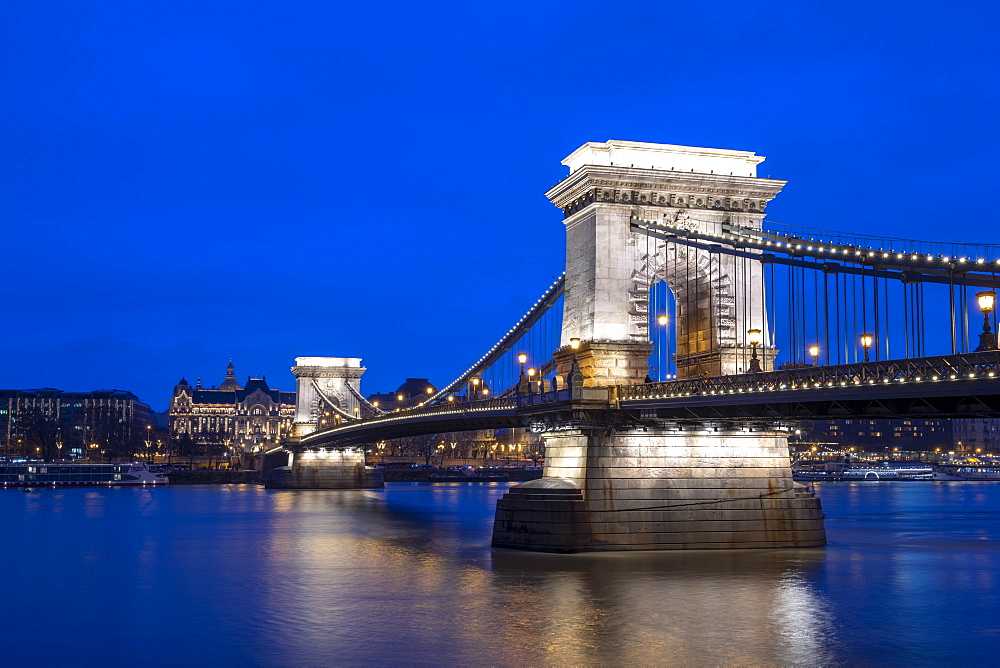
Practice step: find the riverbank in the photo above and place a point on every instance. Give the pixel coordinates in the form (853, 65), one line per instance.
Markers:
(413, 475)
(214, 477)
(242, 477)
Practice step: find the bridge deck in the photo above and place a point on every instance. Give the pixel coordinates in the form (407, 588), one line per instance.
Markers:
(964, 385)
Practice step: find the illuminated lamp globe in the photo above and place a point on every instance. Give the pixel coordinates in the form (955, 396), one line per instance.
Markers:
(987, 300)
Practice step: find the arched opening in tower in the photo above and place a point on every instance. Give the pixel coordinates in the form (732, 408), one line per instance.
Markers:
(662, 323)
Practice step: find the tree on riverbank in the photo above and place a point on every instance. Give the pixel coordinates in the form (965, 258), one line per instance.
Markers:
(42, 434)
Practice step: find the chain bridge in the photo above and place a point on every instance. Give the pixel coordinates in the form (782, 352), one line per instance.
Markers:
(686, 338)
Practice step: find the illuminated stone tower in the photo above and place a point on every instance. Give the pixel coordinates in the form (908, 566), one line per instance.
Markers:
(610, 267)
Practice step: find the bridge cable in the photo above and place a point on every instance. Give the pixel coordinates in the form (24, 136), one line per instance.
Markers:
(826, 318)
(364, 402)
(864, 302)
(885, 315)
(505, 344)
(336, 409)
(774, 300)
(877, 317)
(965, 315)
(815, 283)
(804, 315)
(744, 314)
(836, 287)
(906, 320)
(951, 305)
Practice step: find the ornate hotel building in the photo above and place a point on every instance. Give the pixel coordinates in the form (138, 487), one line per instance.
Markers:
(249, 417)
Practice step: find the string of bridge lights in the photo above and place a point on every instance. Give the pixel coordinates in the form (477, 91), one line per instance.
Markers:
(659, 390)
(791, 243)
(364, 402)
(445, 409)
(509, 337)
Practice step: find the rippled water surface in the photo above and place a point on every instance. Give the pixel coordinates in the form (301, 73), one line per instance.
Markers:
(236, 575)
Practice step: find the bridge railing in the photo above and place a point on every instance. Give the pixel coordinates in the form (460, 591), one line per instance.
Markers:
(458, 408)
(967, 366)
(497, 403)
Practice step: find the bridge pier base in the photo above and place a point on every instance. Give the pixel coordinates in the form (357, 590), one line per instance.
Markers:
(670, 488)
(325, 469)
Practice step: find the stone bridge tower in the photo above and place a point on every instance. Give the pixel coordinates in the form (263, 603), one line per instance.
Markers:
(610, 268)
(323, 381)
(658, 484)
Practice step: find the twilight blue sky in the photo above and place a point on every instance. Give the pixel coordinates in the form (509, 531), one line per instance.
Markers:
(185, 182)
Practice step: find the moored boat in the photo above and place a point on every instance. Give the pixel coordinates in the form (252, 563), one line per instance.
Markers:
(881, 471)
(982, 472)
(969, 468)
(44, 474)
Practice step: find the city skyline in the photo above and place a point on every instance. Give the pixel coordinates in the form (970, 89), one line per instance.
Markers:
(190, 184)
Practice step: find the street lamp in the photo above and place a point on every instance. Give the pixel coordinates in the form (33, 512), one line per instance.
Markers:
(475, 388)
(531, 377)
(814, 353)
(866, 343)
(574, 343)
(987, 302)
(754, 336)
(522, 358)
(661, 320)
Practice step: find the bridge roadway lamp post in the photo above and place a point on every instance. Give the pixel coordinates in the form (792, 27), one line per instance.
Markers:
(475, 388)
(754, 336)
(814, 354)
(866, 343)
(531, 378)
(522, 359)
(987, 302)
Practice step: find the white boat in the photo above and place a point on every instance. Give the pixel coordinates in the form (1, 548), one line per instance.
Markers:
(913, 471)
(970, 468)
(43, 474)
(861, 471)
(982, 472)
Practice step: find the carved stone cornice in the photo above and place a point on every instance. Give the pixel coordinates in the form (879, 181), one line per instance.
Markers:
(328, 372)
(659, 188)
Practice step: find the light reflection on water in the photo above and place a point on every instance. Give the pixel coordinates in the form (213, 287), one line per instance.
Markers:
(227, 575)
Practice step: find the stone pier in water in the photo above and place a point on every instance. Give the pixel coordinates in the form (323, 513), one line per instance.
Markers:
(679, 487)
(325, 469)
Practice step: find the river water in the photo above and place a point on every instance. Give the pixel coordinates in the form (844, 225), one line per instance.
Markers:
(236, 575)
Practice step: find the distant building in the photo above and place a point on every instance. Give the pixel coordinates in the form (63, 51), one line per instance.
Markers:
(246, 417)
(960, 435)
(410, 393)
(885, 435)
(53, 424)
(976, 435)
